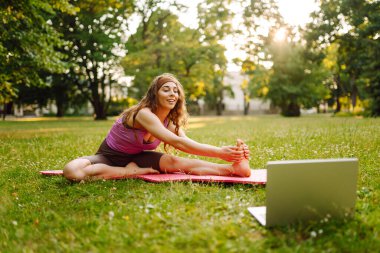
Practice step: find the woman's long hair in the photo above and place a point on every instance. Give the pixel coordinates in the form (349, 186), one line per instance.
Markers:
(178, 115)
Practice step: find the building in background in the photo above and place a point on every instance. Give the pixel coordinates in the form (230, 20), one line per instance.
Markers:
(236, 104)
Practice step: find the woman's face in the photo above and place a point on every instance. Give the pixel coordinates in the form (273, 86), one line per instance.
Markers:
(168, 95)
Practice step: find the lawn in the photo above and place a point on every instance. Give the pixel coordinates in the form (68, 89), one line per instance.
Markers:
(45, 214)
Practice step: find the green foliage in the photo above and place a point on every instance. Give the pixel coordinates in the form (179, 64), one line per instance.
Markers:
(155, 48)
(94, 36)
(359, 47)
(119, 105)
(215, 92)
(162, 44)
(28, 42)
(257, 84)
(79, 45)
(256, 17)
(215, 19)
(7, 92)
(50, 214)
(215, 24)
(297, 79)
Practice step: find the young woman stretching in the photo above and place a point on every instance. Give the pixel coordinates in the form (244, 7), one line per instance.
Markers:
(158, 117)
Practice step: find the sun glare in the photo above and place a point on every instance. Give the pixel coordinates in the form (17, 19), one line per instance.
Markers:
(280, 35)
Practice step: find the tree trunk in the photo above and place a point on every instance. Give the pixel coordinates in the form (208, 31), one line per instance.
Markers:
(100, 112)
(375, 109)
(4, 110)
(219, 108)
(100, 108)
(338, 105)
(60, 108)
(9, 108)
(354, 93)
(246, 108)
(97, 100)
(291, 110)
(337, 93)
(60, 111)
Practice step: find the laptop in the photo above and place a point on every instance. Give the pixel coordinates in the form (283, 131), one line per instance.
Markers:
(304, 190)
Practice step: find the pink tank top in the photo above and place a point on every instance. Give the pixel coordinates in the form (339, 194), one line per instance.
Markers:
(130, 140)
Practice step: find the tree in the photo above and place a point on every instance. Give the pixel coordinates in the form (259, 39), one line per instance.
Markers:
(358, 44)
(162, 44)
(257, 16)
(297, 79)
(257, 83)
(28, 43)
(37, 96)
(96, 39)
(336, 83)
(215, 19)
(65, 93)
(7, 94)
(153, 48)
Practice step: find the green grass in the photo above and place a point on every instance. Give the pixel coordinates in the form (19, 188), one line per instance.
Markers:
(45, 214)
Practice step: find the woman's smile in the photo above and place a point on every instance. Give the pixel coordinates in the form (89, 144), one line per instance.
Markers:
(171, 101)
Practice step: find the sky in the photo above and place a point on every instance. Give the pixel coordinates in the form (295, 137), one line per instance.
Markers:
(295, 13)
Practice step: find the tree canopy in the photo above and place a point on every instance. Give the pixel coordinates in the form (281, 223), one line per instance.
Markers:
(353, 27)
(162, 44)
(28, 43)
(76, 51)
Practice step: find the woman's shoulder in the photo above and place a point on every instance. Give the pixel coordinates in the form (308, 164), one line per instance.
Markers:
(145, 115)
(144, 112)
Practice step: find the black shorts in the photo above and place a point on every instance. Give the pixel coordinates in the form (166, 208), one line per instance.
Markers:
(106, 155)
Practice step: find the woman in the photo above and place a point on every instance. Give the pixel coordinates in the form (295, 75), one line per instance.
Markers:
(158, 117)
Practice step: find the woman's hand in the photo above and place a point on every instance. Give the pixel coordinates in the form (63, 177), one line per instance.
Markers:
(231, 154)
(246, 151)
(242, 146)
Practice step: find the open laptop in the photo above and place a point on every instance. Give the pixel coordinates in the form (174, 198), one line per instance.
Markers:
(303, 190)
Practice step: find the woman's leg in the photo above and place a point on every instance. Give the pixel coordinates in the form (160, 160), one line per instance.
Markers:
(170, 164)
(82, 169)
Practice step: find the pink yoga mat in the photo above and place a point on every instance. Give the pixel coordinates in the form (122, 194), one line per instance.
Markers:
(257, 177)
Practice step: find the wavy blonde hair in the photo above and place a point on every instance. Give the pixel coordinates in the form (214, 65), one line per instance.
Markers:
(178, 115)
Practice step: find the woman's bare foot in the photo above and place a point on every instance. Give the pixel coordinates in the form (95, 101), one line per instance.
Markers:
(241, 168)
(133, 169)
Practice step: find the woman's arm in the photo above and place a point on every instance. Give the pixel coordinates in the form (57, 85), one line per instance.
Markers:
(243, 146)
(153, 125)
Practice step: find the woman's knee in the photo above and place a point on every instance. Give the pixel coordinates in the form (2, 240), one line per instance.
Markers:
(74, 169)
(170, 163)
